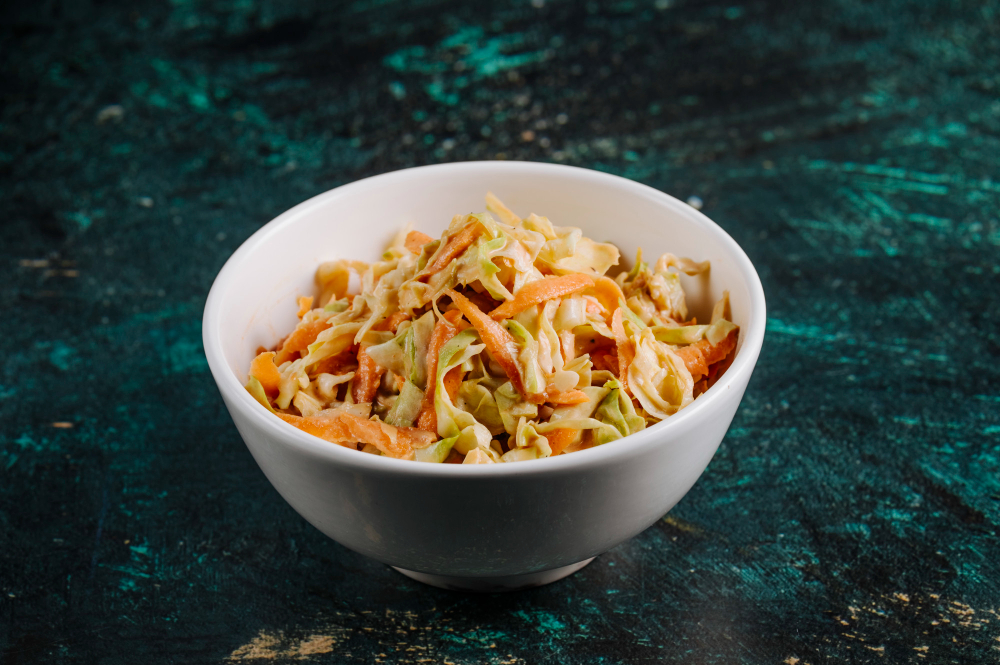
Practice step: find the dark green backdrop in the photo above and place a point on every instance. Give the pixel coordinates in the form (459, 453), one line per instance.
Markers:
(852, 148)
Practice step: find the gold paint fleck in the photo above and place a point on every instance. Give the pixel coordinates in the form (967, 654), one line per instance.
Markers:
(62, 425)
(316, 644)
(272, 646)
(262, 646)
(681, 525)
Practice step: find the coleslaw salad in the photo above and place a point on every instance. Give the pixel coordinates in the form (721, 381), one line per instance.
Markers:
(504, 340)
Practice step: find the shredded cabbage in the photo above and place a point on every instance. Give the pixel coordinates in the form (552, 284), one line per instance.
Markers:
(658, 377)
(405, 409)
(579, 362)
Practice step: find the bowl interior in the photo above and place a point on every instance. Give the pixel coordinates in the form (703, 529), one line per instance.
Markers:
(259, 285)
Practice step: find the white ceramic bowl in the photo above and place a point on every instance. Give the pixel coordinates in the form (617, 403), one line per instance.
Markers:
(483, 527)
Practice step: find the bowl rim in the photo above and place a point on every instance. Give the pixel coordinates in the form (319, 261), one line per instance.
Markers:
(238, 398)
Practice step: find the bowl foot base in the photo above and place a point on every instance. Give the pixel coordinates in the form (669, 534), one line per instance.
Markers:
(495, 584)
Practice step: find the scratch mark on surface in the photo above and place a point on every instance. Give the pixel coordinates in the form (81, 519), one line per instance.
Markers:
(100, 527)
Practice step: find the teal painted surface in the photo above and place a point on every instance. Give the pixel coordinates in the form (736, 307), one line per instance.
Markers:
(851, 148)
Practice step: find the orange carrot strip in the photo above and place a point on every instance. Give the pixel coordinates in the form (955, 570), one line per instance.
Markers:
(454, 317)
(539, 291)
(415, 241)
(500, 343)
(605, 361)
(264, 370)
(443, 331)
(701, 355)
(625, 351)
(559, 439)
(346, 428)
(427, 420)
(392, 321)
(393, 441)
(607, 291)
(553, 396)
(367, 378)
(301, 337)
(329, 428)
(336, 364)
(456, 245)
(305, 304)
(453, 381)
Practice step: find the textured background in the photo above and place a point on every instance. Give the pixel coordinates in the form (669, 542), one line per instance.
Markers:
(852, 148)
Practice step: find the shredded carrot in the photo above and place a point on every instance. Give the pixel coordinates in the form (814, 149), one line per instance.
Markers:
(453, 381)
(607, 291)
(338, 364)
(415, 241)
(367, 378)
(305, 304)
(559, 439)
(625, 351)
(427, 420)
(593, 309)
(539, 291)
(605, 361)
(456, 245)
(330, 428)
(347, 428)
(301, 337)
(718, 369)
(392, 321)
(701, 355)
(443, 331)
(264, 370)
(393, 441)
(553, 396)
(497, 339)
(453, 316)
